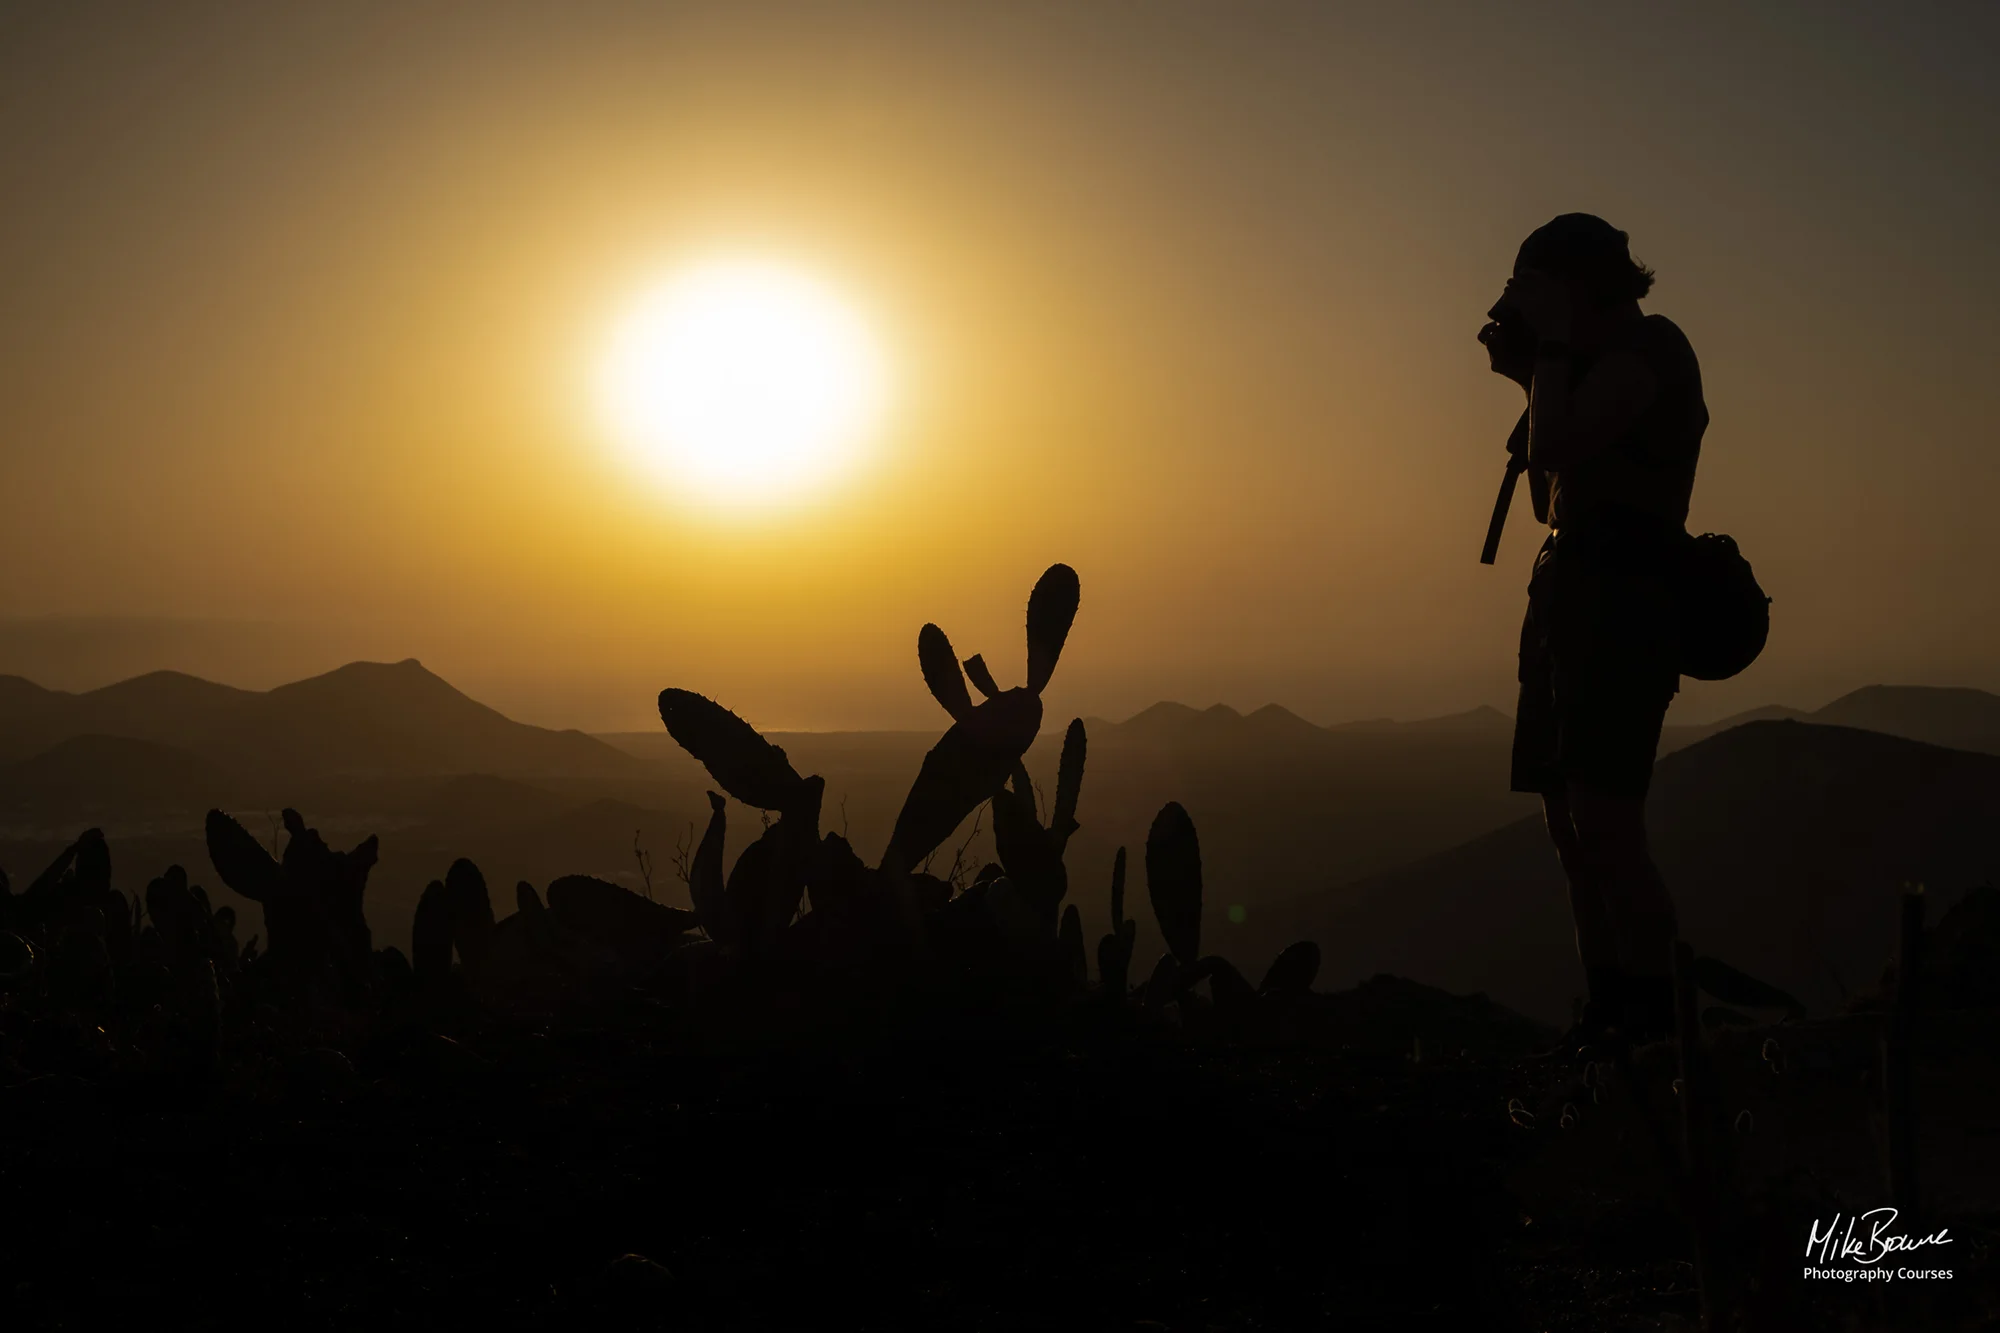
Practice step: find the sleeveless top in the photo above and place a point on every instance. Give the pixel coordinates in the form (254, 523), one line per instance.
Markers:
(1650, 467)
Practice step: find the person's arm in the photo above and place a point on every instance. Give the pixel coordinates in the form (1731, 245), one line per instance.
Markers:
(1569, 423)
(1566, 425)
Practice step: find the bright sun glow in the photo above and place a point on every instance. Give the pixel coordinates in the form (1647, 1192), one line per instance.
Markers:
(747, 382)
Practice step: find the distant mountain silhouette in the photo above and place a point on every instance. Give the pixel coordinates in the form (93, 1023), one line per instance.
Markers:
(1678, 736)
(1959, 719)
(1784, 843)
(1483, 719)
(1176, 723)
(364, 718)
(1168, 723)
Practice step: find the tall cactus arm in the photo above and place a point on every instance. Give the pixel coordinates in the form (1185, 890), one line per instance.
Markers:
(1069, 784)
(1118, 890)
(705, 882)
(1024, 787)
(430, 935)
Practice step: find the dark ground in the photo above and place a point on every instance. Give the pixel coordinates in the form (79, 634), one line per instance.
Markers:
(988, 1166)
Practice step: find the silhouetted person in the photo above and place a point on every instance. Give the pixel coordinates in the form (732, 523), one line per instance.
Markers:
(1611, 435)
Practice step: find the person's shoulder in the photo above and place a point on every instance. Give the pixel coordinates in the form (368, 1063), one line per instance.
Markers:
(1661, 340)
(1659, 326)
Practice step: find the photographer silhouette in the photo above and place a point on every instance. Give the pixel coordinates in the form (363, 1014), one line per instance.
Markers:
(1610, 439)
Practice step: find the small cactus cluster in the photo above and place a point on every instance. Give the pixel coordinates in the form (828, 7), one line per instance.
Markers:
(319, 944)
(1174, 883)
(588, 926)
(73, 945)
(796, 894)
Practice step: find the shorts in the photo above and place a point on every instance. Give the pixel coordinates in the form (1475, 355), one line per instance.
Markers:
(1600, 658)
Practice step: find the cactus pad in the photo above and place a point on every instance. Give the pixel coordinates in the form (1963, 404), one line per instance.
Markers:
(1051, 612)
(239, 858)
(1292, 972)
(1173, 880)
(940, 667)
(746, 765)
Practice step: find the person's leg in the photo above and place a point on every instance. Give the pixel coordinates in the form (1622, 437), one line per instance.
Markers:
(1639, 911)
(1613, 689)
(1596, 946)
(1596, 943)
(1537, 768)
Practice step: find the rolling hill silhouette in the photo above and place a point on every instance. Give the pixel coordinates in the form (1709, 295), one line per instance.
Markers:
(1959, 719)
(95, 776)
(366, 718)
(1784, 843)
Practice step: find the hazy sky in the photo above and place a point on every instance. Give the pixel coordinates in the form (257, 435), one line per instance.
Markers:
(298, 306)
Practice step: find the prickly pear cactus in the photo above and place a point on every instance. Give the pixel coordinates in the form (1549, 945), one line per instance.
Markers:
(1051, 612)
(312, 899)
(967, 765)
(975, 757)
(941, 672)
(1070, 937)
(981, 676)
(1114, 951)
(1173, 881)
(1165, 982)
(706, 888)
(430, 936)
(471, 911)
(1232, 994)
(838, 881)
(240, 859)
(746, 765)
(1069, 784)
(768, 882)
(528, 903)
(1292, 972)
(1028, 851)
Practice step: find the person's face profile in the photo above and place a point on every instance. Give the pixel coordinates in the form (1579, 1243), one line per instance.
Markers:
(1509, 344)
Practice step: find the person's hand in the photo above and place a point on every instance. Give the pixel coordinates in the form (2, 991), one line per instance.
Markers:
(1543, 302)
(1510, 349)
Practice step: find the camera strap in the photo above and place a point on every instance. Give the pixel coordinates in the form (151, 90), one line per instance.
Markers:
(1517, 463)
(1501, 505)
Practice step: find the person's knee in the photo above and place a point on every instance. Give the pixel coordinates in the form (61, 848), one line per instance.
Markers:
(1608, 828)
(1562, 831)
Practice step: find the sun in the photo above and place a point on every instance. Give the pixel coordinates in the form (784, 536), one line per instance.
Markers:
(746, 382)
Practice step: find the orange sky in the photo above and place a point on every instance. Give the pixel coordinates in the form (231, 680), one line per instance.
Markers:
(300, 302)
